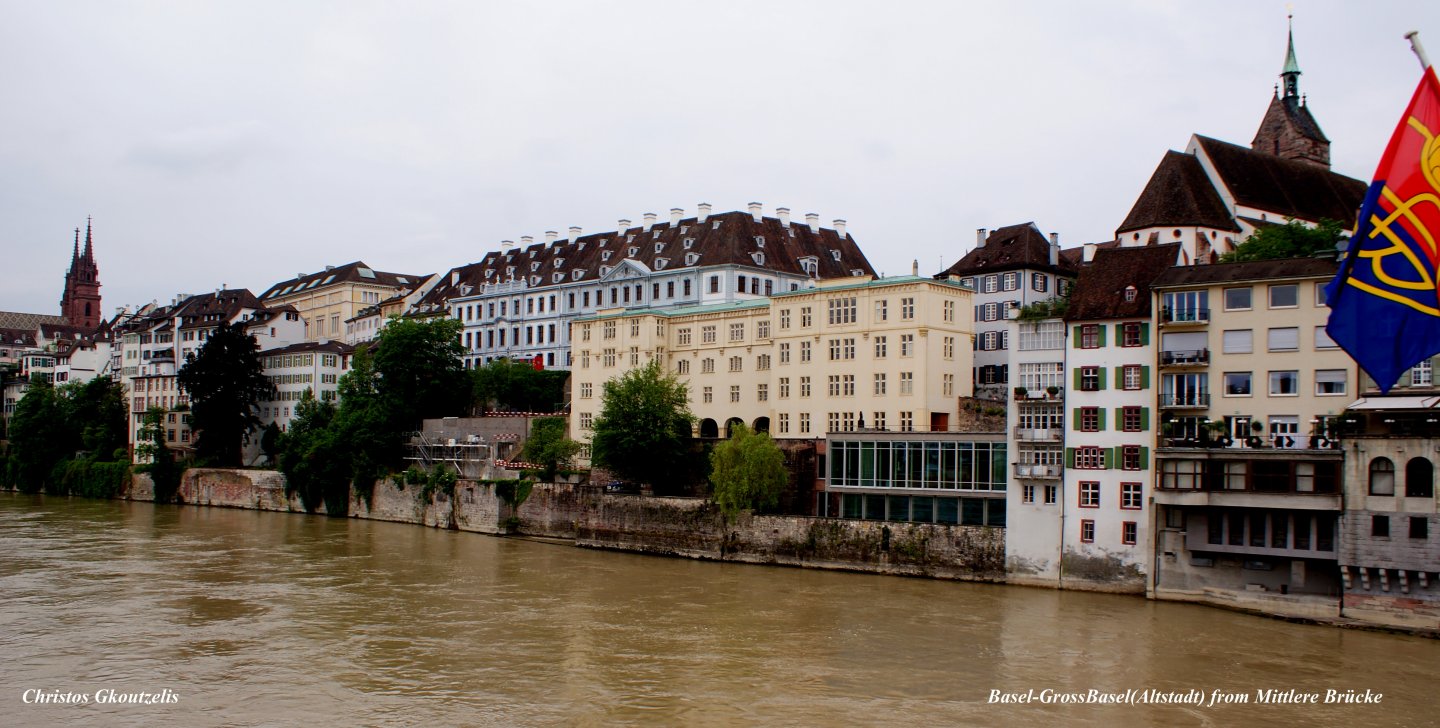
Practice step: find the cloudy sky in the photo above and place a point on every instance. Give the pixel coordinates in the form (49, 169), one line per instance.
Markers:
(241, 143)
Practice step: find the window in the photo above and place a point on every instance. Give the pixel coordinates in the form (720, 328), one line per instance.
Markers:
(1419, 479)
(1237, 384)
(1132, 457)
(762, 392)
(880, 347)
(1132, 377)
(736, 363)
(784, 319)
(907, 382)
(1089, 419)
(1045, 335)
(1382, 477)
(1132, 496)
(1237, 299)
(707, 366)
(784, 387)
(1027, 494)
(682, 336)
(1132, 419)
(1380, 526)
(1284, 296)
(907, 421)
(1052, 495)
(907, 344)
(881, 310)
(804, 317)
(1284, 339)
(1186, 306)
(990, 312)
(734, 393)
(1238, 341)
(682, 366)
(1010, 281)
(804, 423)
(834, 385)
(1130, 334)
(1330, 382)
(1323, 340)
(1089, 379)
(1284, 384)
(1421, 374)
(714, 284)
(1089, 458)
(804, 386)
(1089, 336)
(586, 390)
(707, 334)
(708, 394)
(1128, 532)
(841, 310)
(879, 385)
(762, 363)
(587, 420)
(1087, 531)
(804, 351)
(1320, 295)
(992, 284)
(784, 422)
(1038, 282)
(1419, 527)
(762, 329)
(948, 311)
(737, 332)
(907, 309)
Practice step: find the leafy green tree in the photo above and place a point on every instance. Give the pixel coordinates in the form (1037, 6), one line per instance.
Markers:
(516, 386)
(1294, 239)
(164, 473)
(418, 371)
(270, 441)
(226, 383)
(643, 431)
(313, 456)
(40, 436)
(747, 471)
(98, 411)
(548, 446)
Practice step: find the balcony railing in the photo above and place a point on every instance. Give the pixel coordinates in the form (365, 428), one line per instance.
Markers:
(1184, 315)
(1038, 434)
(1187, 400)
(1041, 472)
(1185, 357)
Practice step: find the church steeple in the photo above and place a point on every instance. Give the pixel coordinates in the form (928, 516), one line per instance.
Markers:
(81, 303)
(1291, 72)
(1288, 129)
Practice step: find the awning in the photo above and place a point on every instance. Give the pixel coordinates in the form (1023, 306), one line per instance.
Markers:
(1411, 402)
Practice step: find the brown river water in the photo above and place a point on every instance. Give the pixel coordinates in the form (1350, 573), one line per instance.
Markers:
(240, 618)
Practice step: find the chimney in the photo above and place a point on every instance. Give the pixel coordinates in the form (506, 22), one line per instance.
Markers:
(574, 232)
(980, 237)
(813, 220)
(526, 241)
(506, 245)
(649, 221)
(622, 226)
(454, 277)
(702, 211)
(1089, 255)
(675, 214)
(550, 236)
(839, 228)
(1055, 249)
(755, 210)
(784, 214)
(915, 267)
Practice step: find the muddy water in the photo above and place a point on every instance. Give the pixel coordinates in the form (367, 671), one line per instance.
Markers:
(235, 617)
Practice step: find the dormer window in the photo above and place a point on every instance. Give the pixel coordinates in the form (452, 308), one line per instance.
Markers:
(684, 229)
(604, 271)
(1130, 293)
(559, 262)
(660, 263)
(659, 247)
(534, 266)
(557, 277)
(577, 274)
(534, 280)
(758, 257)
(810, 264)
(581, 246)
(759, 241)
(690, 258)
(689, 243)
(605, 255)
(629, 238)
(509, 271)
(655, 233)
(633, 250)
(856, 272)
(835, 254)
(489, 272)
(716, 224)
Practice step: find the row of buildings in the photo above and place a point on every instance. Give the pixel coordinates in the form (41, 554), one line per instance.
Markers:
(1172, 425)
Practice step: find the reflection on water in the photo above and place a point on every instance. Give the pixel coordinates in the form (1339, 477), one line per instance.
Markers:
(266, 618)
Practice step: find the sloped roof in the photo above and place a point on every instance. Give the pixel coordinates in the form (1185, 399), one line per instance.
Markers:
(28, 321)
(1100, 290)
(1179, 193)
(727, 238)
(1284, 186)
(327, 347)
(354, 272)
(1251, 270)
(1298, 115)
(16, 337)
(207, 309)
(1011, 247)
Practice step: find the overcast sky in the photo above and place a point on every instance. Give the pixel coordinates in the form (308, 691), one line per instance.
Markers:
(241, 143)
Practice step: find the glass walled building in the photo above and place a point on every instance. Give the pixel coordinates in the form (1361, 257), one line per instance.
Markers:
(918, 477)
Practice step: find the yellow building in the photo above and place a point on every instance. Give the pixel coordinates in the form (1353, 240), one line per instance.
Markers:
(329, 298)
(854, 353)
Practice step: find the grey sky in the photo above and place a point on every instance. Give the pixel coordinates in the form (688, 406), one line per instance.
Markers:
(244, 142)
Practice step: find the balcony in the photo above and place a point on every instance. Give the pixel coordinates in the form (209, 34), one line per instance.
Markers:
(1039, 395)
(1038, 472)
(1043, 434)
(1184, 316)
(1185, 400)
(1185, 358)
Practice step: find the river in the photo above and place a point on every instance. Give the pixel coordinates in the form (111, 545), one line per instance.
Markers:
(256, 618)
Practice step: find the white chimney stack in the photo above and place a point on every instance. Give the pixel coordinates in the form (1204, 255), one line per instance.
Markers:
(550, 236)
(1055, 249)
(980, 237)
(622, 226)
(506, 245)
(1089, 252)
(813, 220)
(675, 214)
(784, 214)
(755, 211)
(915, 267)
(526, 241)
(454, 278)
(649, 221)
(839, 228)
(574, 232)
(702, 211)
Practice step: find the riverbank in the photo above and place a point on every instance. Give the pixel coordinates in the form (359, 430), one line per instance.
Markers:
(692, 528)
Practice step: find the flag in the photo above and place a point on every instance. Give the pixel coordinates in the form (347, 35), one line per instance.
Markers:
(1384, 302)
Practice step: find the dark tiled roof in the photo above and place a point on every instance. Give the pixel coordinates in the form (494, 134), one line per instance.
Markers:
(728, 238)
(210, 309)
(1012, 247)
(1178, 194)
(1299, 116)
(1284, 186)
(27, 321)
(1248, 271)
(1100, 290)
(17, 337)
(356, 272)
(304, 347)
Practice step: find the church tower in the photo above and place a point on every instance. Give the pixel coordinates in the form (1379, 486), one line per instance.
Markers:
(1288, 130)
(81, 303)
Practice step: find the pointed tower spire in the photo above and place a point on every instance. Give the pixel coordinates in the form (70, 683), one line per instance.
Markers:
(1291, 72)
(89, 245)
(75, 252)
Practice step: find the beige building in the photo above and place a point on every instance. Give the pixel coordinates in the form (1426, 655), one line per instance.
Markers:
(850, 354)
(328, 299)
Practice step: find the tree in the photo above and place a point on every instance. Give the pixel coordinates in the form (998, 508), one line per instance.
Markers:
(517, 386)
(164, 474)
(97, 409)
(313, 456)
(747, 471)
(418, 370)
(39, 436)
(643, 430)
(226, 383)
(548, 445)
(1294, 239)
(270, 441)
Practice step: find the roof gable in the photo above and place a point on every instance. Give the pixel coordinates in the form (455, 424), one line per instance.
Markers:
(1100, 290)
(1286, 187)
(1179, 193)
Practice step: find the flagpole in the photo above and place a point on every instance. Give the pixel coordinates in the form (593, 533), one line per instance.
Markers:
(1414, 38)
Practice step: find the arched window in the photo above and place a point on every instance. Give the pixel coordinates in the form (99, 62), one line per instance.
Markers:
(1419, 479)
(1382, 477)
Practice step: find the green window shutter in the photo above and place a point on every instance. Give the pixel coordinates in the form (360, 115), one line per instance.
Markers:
(1075, 336)
(1112, 458)
(1144, 458)
(1101, 415)
(1070, 457)
(1119, 377)
(1075, 419)
(1102, 377)
(1144, 333)
(1144, 377)
(1101, 334)
(1145, 418)
(1076, 372)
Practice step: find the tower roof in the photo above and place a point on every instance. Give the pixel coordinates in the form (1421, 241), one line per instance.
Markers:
(1291, 65)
